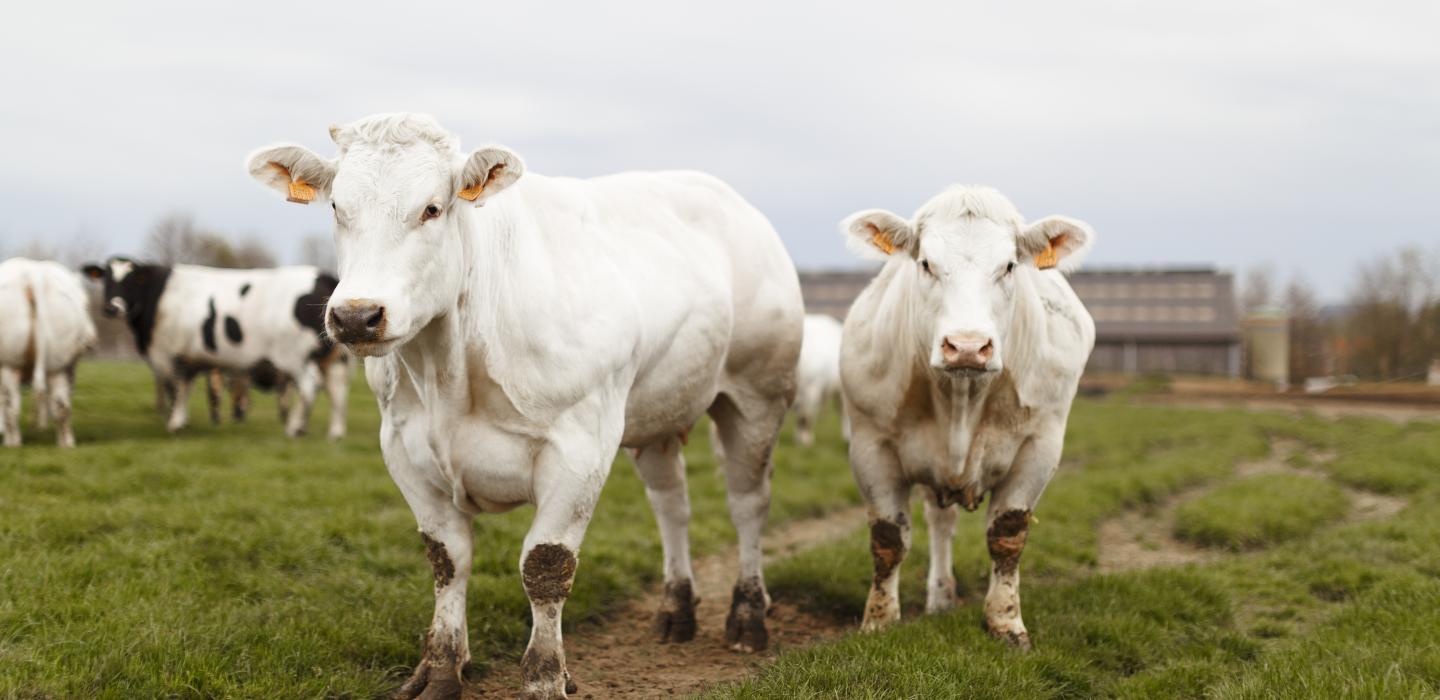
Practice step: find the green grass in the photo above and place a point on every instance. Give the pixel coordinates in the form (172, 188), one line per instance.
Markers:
(1349, 610)
(232, 562)
(1260, 511)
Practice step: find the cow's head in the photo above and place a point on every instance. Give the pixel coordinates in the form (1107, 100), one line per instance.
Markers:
(964, 254)
(401, 192)
(126, 286)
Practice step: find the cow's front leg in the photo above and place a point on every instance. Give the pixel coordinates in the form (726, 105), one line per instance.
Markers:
(447, 535)
(305, 388)
(877, 471)
(567, 487)
(1008, 528)
(214, 383)
(337, 387)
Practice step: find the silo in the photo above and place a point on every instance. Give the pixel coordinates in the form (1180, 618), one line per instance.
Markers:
(1267, 346)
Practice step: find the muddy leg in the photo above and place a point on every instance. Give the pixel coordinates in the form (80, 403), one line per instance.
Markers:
(1008, 527)
(877, 471)
(748, 433)
(10, 405)
(180, 409)
(940, 589)
(337, 387)
(449, 544)
(59, 401)
(42, 408)
(662, 468)
(568, 477)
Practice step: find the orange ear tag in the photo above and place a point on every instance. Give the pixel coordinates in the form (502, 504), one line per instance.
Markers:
(883, 242)
(1048, 258)
(301, 192)
(471, 194)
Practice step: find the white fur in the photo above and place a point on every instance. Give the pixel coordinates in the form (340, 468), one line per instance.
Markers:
(962, 434)
(56, 332)
(528, 339)
(818, 375)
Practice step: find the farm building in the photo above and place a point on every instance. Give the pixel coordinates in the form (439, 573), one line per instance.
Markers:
(1165, 320)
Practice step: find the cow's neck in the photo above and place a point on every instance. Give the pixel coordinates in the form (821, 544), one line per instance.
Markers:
(967, 408)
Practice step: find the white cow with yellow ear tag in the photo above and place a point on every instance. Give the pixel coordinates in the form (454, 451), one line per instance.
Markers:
(515, 347)
(958, 366)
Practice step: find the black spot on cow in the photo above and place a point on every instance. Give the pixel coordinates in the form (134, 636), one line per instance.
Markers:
(244, 289)
(310, 312)
(232, 330)
(207, 329)
(141, 290)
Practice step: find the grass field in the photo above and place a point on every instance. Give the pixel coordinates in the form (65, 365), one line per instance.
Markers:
(232, 562)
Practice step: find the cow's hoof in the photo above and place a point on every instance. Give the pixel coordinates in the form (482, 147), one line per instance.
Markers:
(745, 626)
(940, 597)
(430, 682)
(1014, 637)
(880, 614)
(544, 676)
(676, 620)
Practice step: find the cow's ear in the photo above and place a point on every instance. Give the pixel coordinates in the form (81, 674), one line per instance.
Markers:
(293, 171)
(93, 271)
(486, 173)
(877, 234)
(1055, 241)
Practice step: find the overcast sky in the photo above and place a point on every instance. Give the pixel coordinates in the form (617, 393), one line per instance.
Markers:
(1233, 132)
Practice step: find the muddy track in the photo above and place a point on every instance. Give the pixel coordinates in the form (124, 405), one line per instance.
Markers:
(1143, 538)
(620, 656)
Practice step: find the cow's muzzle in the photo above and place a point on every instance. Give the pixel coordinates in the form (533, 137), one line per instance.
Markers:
(357, 321)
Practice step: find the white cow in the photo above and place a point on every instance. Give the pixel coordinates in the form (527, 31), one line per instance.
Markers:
(518, 331)
(189, 319)
(818, 376)
(44, 328)
(959, 364)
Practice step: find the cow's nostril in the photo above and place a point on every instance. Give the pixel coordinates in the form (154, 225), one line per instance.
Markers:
(374, 319)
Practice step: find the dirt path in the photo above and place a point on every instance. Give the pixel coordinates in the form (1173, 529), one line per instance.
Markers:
(620, 657)
(1141, 539)
(1396, 412)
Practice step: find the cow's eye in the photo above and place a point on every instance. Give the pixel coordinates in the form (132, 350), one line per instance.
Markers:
(1010, 267)
(925, 265)
(431, 212)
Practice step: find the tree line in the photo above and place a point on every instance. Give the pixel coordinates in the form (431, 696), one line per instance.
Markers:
(1386, 328)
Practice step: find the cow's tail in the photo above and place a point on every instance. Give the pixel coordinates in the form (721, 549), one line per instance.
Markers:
(40, 332)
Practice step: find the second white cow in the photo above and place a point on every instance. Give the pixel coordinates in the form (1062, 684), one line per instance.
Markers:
(959, 365)
(519, 330)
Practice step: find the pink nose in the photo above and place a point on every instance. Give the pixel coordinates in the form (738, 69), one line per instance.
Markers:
(966, 351)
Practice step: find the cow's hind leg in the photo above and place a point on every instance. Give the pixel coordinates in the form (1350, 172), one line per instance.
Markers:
(180, 409)
(1007, 527)
(240, 396)
(940, 586)
(337, 387)
(449, 545)
(662, 468)
(305, 386)
(59, 400)
(748, 427)
(10, 404)
(214, 384)
(877, 471)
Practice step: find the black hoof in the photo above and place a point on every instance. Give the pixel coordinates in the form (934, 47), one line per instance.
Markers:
(745, 626)
(675, 622)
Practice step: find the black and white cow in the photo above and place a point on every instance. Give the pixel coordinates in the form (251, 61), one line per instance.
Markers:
(189, 319)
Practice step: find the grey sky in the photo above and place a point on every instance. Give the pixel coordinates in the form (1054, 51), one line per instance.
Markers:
(1305, 134)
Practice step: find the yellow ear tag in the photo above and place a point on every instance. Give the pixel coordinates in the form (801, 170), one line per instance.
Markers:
(1048, 258)
(471, 194)
(301, 192)
(882, 241)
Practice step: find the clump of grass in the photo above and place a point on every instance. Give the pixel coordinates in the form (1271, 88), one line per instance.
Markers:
(1259, 511)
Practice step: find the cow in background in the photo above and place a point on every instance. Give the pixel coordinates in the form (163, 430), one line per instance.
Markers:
(958, 366)
(818, 375)
(45, 327)
(189, 319)
(518, 331)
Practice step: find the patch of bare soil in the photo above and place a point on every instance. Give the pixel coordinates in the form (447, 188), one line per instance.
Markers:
(1396, 412)
(621, 657)
(1142, 539)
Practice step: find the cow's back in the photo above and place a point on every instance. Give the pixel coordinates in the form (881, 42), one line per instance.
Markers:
(29, 288)
(234, 318)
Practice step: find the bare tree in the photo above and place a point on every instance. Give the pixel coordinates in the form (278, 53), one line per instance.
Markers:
(1391, 329)
(175, 239)
(1310, 335)
(1258, 289)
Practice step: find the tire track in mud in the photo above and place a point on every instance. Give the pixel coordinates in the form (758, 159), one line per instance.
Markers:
(620, 656)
